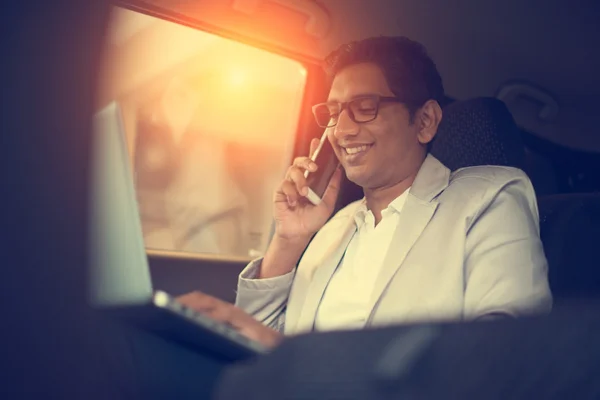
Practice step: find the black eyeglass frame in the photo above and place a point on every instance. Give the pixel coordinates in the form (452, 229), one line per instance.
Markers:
(347, 106)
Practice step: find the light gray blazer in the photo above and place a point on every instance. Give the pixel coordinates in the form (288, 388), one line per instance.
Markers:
(467, 245)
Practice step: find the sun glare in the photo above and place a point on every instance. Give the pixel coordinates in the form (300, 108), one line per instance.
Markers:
(237, 77)
(233, 91)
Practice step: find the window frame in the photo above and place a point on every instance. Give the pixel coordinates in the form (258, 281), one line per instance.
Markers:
(315, 90)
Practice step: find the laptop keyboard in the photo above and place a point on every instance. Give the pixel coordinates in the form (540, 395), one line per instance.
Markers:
(163, 300)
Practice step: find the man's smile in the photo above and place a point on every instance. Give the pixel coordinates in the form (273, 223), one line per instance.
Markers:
(354, 153)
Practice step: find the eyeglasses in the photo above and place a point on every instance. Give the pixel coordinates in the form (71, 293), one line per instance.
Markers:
(360, 110)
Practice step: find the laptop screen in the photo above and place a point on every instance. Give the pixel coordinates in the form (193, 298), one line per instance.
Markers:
(119, 270)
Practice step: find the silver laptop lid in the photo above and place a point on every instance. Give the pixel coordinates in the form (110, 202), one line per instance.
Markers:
(119, 271)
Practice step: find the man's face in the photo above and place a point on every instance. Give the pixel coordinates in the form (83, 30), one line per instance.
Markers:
(382, 152)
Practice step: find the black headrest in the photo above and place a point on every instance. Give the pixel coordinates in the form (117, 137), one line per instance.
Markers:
(479, 131)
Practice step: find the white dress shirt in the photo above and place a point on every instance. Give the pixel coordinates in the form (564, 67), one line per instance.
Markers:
(345, 301)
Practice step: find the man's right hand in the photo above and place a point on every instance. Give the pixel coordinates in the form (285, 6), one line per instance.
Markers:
(297, 219)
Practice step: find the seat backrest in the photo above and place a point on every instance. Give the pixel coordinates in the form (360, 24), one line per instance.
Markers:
(483, 132)
(478, 131)
(570, 230)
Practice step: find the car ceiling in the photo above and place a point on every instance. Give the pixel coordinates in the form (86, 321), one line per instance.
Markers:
(479, 45)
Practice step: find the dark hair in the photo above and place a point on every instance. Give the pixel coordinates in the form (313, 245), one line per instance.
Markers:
(409, 71)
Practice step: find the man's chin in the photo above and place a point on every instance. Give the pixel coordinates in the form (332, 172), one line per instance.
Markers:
(358, 176)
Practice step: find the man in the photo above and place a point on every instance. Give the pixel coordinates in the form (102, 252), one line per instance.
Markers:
(423, 244)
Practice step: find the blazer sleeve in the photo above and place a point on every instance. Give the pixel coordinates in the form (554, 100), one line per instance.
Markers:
(505, 267)
(264, 299)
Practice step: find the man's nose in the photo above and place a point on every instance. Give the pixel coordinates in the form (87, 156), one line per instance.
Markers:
(345, 125)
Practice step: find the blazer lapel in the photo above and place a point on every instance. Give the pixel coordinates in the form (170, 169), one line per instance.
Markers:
(433, 178)
(322, 275)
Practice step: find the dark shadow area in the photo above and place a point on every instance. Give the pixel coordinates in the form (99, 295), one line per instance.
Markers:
(52, 343)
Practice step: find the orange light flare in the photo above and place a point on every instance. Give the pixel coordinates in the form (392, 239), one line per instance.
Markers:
(247, 94)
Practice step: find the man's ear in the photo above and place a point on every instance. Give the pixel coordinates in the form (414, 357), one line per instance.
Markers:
(428, 118)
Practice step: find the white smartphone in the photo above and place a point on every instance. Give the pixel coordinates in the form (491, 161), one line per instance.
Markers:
(326, 160)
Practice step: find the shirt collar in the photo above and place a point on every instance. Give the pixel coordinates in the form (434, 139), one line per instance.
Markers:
(395, 206)
(398, 203)
(361, 213)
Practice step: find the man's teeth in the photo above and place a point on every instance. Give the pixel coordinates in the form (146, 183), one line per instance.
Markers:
(354, 150)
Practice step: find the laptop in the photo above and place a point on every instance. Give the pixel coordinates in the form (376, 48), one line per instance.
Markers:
(119, 280)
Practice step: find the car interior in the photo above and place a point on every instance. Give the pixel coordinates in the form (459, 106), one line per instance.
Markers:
(216, 102)
(217, 95)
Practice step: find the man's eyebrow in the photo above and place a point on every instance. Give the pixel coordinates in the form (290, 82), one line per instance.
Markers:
(334, 100)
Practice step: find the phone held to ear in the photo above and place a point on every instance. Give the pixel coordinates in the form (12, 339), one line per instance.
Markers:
(327, 162)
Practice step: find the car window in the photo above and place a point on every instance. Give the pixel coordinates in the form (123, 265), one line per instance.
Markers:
(211, 125)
